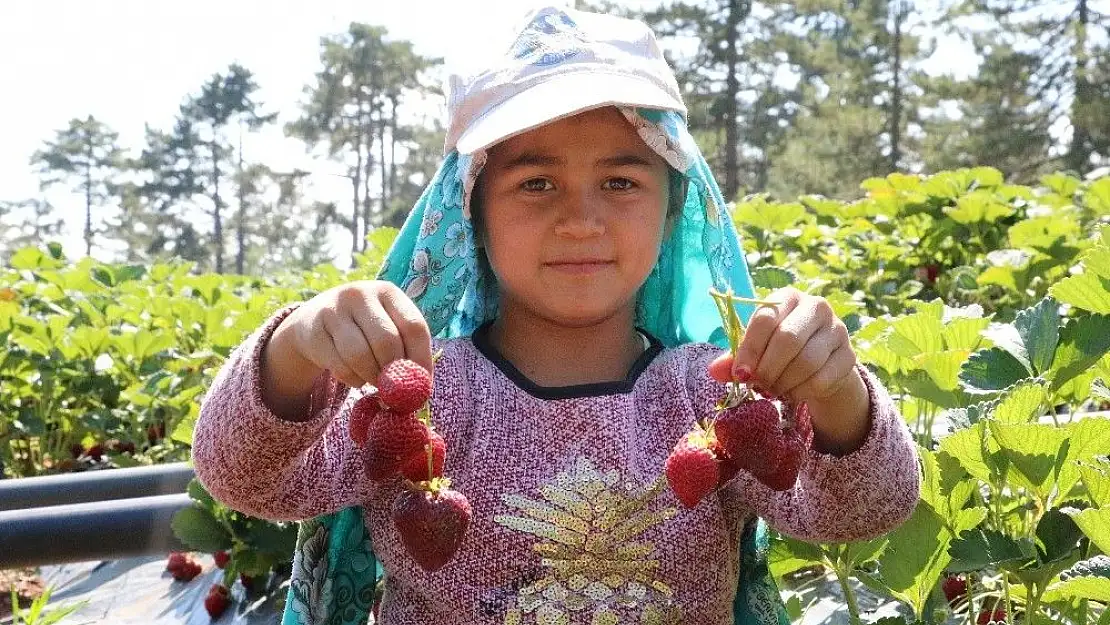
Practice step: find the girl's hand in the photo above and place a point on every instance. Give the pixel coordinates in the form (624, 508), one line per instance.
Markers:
(800, 351)
(354, 330)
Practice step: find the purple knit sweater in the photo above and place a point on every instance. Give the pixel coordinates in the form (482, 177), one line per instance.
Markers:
(571, 521)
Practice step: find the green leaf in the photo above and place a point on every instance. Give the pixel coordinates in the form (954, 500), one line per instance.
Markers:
(1100, 391)
(978, 206)
(1097, 196)
(1061, 183)
(1083, 341)
(197, 528)
(967, 446)
(944, 367)
(1037, 451)
(992, 369)
(1087, 291)
(199, 494)
(788, 555)
(919, 333)
(917, 553)
(965, 333)
(981, 548)
(1095, 523)
(998, 276)
(772, 277)
(1090, 438)
(769, 217)
(1039, 329)
(1021, 403)
(1094, 588)
(1057, 536)
(1096, 477)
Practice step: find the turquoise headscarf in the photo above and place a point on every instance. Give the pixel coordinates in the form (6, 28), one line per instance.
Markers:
(435, 261)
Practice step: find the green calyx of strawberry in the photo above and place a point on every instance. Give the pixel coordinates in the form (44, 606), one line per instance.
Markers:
(433, 486)
(726, 302)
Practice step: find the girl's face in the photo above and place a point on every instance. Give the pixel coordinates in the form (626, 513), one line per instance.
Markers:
(572, 217)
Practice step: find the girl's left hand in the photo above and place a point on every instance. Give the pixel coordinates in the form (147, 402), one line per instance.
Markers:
(799, 350)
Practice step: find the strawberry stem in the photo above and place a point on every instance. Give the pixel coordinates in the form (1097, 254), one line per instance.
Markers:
(743, 300)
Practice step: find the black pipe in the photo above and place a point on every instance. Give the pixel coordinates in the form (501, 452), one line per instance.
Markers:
(105, 530)
(89, 486)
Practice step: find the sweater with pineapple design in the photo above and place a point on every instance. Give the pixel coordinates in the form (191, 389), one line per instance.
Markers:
(572, 520)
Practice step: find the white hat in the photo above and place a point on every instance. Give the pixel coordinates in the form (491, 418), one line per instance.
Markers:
(563, 62)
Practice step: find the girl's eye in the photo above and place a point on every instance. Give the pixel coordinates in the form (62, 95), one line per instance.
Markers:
(619, 184)
(536, 184)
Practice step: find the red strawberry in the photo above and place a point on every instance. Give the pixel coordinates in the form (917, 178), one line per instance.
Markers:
(415, 467)
(728, 468)
(404, 386)
(392, 440)
(787, 462)
(187, 572)
(746, 432)
(217, 600)
(176, 561)
(221, 558)
(692, 469)
(247, 581)
(362, 414)
(96, 452)
(997, 615)
(954, 587)
(432, 523)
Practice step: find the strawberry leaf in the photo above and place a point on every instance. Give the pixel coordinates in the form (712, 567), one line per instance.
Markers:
(1091, 587)
(1090, 438)
(199, 529)
(1021, 403)
(1096, 477)
(981, 548)
(991, 370)
(1083, 342)
(772, 277)
(917, 553)
(1039, 329)
(1095, 523)
(1057, 536)
(1037, 451)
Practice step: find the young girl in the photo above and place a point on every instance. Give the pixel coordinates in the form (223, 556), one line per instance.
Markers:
(561, 262)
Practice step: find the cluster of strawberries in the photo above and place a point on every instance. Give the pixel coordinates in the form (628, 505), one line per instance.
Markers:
(184, 568)
(746, 432)
(393, 425)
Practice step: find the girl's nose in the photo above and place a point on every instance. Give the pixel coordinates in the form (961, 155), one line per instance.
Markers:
(580, 216)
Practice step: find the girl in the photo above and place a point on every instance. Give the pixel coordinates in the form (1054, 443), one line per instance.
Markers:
(561, 262)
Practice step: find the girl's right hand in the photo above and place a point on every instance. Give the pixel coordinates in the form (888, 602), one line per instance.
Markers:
(354, 330)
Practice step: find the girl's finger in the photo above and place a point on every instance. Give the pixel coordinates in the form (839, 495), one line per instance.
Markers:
(790, 337)
(324, 355)
(810, 360)
(761, 326)
(381, 334)
(416, 339)
(351, 346)
(829, 378)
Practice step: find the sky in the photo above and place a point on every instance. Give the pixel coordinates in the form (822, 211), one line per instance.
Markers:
(132, 62)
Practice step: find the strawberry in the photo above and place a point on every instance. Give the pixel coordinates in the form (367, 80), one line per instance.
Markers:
(432, 522)
(754, 437)
(415, 467)
(96, 452)
(954, 587)
(404, 386)
(728, 468)
(392, 440)
(187, 572)
(746, 432)
(221, 558)
(997, 615)
(217, 600)
(247, 581)
(362, 414)
(175, 561)
(692, 469)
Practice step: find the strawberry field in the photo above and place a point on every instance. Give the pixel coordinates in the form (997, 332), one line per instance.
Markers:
(983, 306)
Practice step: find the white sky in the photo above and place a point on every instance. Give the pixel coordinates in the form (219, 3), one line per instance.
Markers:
(131, 62)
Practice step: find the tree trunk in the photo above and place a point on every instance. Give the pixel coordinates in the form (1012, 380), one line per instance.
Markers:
(732, 92)
(356, 186)
(1079, 153)
(896, 90)
(241, 221)
(217, 215)
(392, 144)
(381, 163)
(88, 198)
(367, 209)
